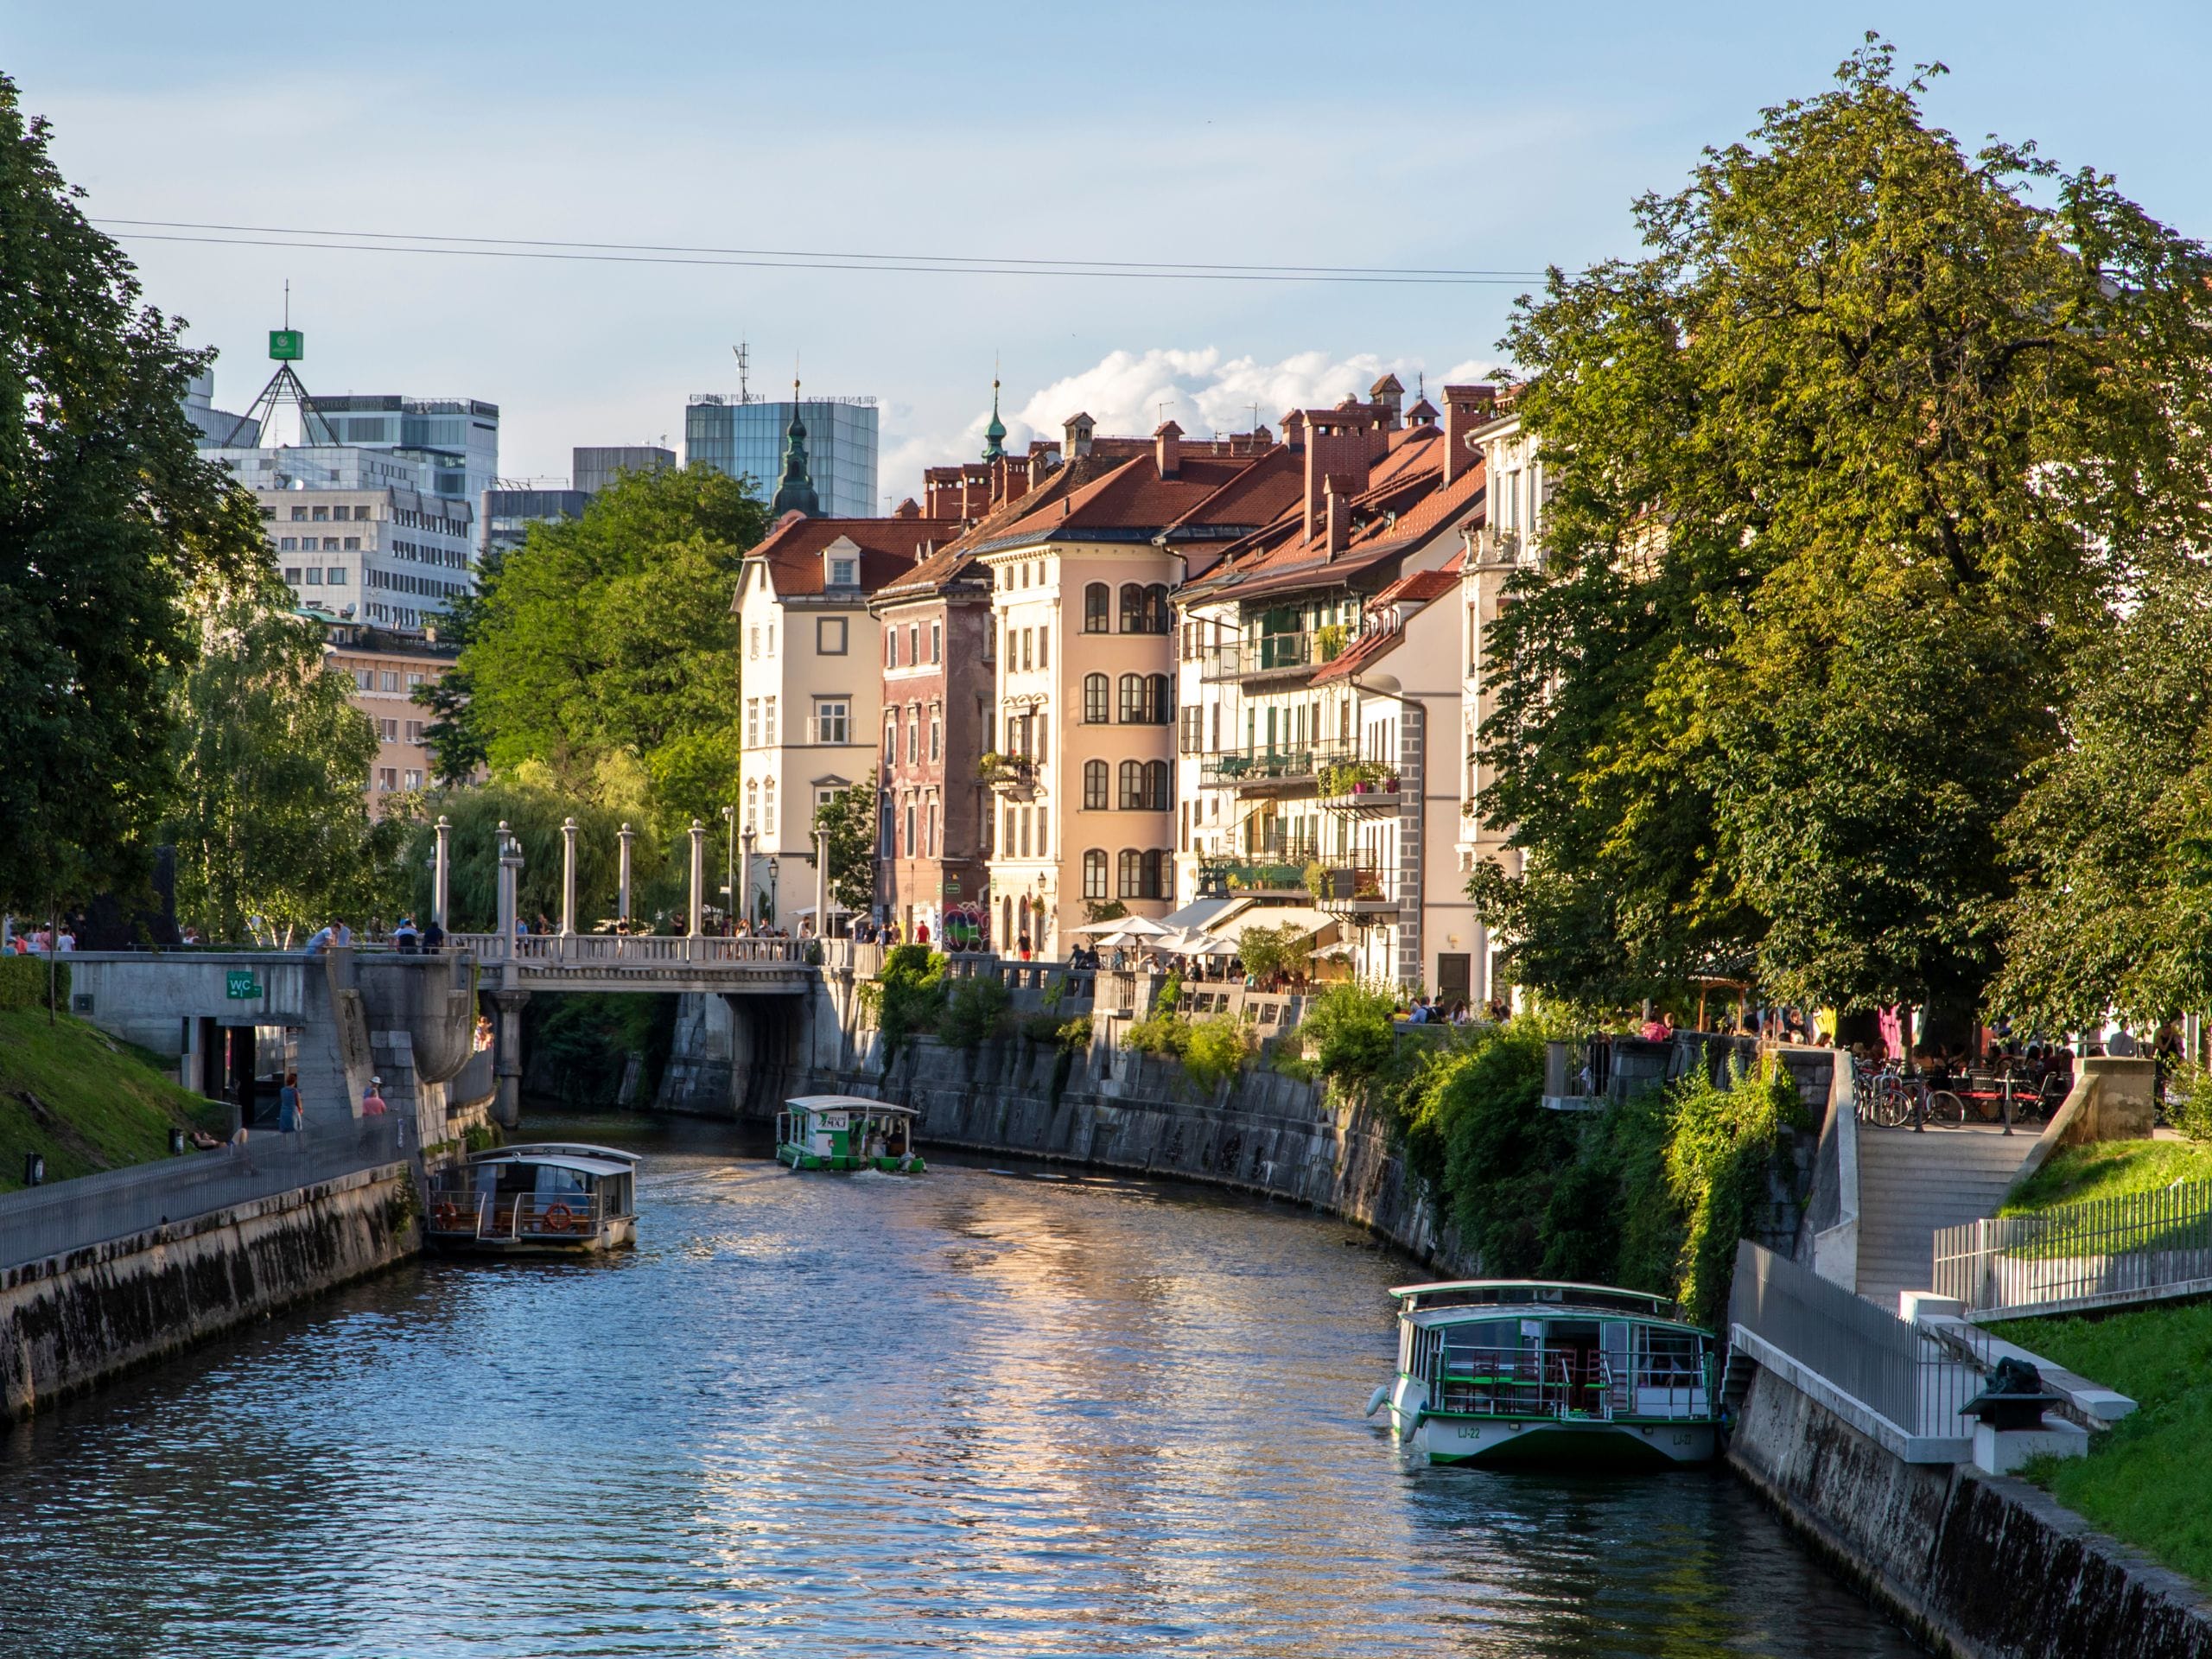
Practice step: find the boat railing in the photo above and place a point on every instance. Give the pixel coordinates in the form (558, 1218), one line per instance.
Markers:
(1520, 1382)
(462, 1211)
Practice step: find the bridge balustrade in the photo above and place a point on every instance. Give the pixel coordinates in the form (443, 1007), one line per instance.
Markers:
(633, 950)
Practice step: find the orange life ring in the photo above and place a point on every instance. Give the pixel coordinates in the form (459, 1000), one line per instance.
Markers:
(558, 1218)
(446, 1216)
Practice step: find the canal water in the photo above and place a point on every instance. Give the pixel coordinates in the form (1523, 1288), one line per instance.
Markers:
(972, 1413)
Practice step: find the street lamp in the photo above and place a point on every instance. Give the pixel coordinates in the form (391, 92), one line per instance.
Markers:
(730, 886)
(751, 838)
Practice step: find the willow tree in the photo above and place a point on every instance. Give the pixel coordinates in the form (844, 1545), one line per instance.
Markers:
(1876, 441)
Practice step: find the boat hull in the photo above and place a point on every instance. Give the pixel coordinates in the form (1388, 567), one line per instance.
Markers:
(798, 1158)
(1622, 1445)
(620, 1234)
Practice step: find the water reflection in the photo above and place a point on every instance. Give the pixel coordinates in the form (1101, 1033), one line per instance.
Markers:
(867, 1415)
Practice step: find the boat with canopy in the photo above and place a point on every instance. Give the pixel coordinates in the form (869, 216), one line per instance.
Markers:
(847, 1132)
(549, 1198)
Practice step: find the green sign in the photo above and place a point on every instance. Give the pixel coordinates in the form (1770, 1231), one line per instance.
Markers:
(239, 984)
(286, 345)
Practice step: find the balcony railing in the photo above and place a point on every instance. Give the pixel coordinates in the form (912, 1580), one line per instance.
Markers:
(1349, 882)
(1013, 776)
(1272, 764)
(1260, 655)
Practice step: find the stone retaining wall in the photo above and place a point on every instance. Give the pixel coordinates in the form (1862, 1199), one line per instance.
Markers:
(70, 1322)
(1977, 1566)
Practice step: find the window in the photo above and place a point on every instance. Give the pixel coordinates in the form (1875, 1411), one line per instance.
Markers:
(937, 642)
(288, 544)
(753, 804)
(414, 778)
(752, 644)
(1158, 700)
(891, 742)
(1131, 871)
(768, 721)
(930, 846)
(1094, 788)
(1094, 602)
(1095, 711)
(321, 514)
(913, 737)
(1094, 874)
(387, 777)
(1132, 798)
(936, 734)
(843, 573)
(414, 731)
(829, 635)
(1013, 660)
(390, 680)
(336, 577)
(753, 722)
(911, 848)
(413, 680)
(1145, 699)
(364, 679)
(1021, 822)
(1028, 655)
(832, 720)
(768, 808)
(890, 647)
(299, 514)
(913, 642)
(1044, 647)
(772, 639)
(292, 574)
(1189, 730)
(352, 544)
(1132, 608)
(1155, 608)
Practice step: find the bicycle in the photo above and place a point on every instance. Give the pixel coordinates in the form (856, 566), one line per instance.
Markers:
(1900, 1097)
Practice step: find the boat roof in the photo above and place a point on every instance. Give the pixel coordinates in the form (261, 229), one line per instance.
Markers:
(537, 1151)
(553, 1160)
(849, 1102)
(1537, 1292)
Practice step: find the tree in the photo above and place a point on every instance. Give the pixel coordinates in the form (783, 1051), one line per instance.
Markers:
(111, 527)
(534, 815)
(1877, 436)
(610, 638)
(451, 733)
(271, 754)
(846, 823)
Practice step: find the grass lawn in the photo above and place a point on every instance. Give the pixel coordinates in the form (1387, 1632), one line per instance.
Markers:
(85, 1100)
(2108, 1169)
(2146, 1481)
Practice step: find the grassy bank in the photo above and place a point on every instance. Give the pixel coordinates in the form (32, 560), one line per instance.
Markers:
(85, 1101)
(2109, 1169)
(2143, 1482)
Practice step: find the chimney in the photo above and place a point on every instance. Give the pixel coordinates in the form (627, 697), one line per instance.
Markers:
(1336, 452)
(1040, 462)
(1079, 429)
(1167, 449)
(906, 509)
(1339, 489)
(1388, 395)
(1294, 429)
(1466, 407)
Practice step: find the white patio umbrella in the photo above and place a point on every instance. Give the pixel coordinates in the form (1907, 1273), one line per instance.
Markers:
(1205, 945)
(1102, 928)
(1142, 927)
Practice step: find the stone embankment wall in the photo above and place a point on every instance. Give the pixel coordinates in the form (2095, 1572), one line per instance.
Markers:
(73, 1321)
(1977, 1566)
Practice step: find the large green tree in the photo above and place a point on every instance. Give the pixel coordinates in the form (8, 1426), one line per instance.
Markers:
(1878, 436)
(605, 644)
(846, 822)
(269, 820)
(109, 525)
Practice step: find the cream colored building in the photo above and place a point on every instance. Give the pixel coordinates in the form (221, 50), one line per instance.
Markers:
(385, 671)
(811, 667)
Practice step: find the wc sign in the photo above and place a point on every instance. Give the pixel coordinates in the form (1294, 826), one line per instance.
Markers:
(239, 985)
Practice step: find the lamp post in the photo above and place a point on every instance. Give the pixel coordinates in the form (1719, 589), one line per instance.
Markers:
(751, 838)
(441, 872)
(729, 872)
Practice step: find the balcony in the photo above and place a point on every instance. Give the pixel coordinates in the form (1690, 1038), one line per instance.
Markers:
(1272, 769)
(1364, 789)
(1497, 546)
(1271, 656)
(1351, 886)
(1013, 776)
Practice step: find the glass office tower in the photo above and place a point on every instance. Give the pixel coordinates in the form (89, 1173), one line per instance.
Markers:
(746, 440)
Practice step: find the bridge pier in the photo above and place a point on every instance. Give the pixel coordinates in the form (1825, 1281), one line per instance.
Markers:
(506, 1055)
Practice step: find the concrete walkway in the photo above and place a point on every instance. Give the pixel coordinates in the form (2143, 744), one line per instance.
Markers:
(1911, 1184)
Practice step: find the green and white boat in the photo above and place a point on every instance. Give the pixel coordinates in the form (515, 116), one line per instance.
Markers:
(847, 1132)
(1497, 1372)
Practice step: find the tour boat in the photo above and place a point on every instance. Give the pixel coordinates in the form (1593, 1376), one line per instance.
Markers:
(550, 1198)
(847, 1132)
(1499, 1372)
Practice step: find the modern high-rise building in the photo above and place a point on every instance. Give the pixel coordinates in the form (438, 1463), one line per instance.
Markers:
(595, 467)
(745, 437)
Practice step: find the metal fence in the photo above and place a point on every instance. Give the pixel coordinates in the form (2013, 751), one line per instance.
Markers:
(2135, 1248)
(63, 1215)
(1899, 1372)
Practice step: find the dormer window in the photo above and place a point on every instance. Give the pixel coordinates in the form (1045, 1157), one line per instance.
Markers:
(843, 572)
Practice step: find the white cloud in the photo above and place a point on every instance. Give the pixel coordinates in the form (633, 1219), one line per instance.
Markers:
(1129, 393)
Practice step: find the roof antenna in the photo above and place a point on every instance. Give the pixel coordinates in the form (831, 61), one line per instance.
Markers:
(744, 367)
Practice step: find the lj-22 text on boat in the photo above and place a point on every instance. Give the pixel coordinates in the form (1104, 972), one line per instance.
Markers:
(1505, 1371)
(847, 1132)
(554, 1199)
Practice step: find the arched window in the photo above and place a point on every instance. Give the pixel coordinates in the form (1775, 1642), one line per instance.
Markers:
(1131, 871)
(1132, 697)
(1094, 787)
(1094, 874)
(1096, 600)
(1132, 608)
(1096, 706)
(1157, 700)
(1133, 787)
(1156, 785)
(1155, 608)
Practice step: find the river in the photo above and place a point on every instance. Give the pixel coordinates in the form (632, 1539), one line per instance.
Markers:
(970, 1412)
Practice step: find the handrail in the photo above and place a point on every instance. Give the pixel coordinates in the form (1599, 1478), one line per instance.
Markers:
(633, 949)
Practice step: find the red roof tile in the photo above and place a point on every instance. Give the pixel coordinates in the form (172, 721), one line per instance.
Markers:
(889, 547)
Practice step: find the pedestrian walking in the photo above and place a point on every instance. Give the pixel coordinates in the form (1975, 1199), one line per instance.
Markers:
(289, 1118)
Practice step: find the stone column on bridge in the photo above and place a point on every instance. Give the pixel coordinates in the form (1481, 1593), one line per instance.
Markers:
(822, 884)
(441, 872)
(622, 880)
(698, 876)
(510, 875)
(506, 1055)
(567, 877)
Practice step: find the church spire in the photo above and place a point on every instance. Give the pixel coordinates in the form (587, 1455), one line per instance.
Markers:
(994, 433)
(795, 492)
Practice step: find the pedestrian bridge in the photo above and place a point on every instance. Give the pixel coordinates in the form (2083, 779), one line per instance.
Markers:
(599, 962)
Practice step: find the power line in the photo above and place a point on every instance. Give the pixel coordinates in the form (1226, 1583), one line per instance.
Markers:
(219, 235)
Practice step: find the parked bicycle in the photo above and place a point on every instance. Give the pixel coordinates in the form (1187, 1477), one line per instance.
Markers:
(1895, 1096)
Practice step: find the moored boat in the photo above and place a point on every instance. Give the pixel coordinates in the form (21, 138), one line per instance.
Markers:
(550, 1198)
(1497, 1372)
(847, 1132)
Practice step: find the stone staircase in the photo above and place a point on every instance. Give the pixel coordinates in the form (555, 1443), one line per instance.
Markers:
(1911, 1184)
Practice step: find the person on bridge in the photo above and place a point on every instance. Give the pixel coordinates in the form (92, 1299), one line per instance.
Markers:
(404, 938)
(372, 1101)
(434, 937)
(289, 1118)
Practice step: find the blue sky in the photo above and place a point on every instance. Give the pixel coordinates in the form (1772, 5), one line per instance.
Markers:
(1408, 135)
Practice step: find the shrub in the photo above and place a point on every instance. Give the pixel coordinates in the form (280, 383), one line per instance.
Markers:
(1075, 1034)
(1164, 1032)
(1724, 1138)
(1215, 1050)
(978, 1009)
(2189, 1102)
(909, 995)
(1041, 1028)
(1347, 1030)
(22, 982)
(1284, 949)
